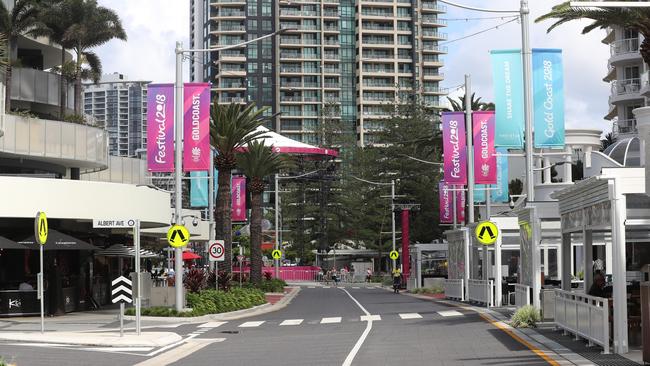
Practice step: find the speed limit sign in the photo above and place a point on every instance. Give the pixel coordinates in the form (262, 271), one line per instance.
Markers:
(216, 251)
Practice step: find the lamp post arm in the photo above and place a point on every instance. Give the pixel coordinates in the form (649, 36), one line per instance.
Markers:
(238, 45)
(478, 9)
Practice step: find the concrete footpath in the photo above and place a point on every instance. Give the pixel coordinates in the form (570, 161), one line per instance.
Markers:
(542, 341)
(97, 339)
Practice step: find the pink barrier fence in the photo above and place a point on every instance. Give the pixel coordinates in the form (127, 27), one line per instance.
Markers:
(294, 274)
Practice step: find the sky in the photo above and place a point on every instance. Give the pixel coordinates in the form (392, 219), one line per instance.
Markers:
(153, 27)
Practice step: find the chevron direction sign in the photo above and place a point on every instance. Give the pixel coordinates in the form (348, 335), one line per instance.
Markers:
(121, 290)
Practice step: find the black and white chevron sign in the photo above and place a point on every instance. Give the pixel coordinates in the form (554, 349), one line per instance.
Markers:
(121, 290)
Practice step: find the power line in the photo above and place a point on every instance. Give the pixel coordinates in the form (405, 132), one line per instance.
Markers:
(481, 31)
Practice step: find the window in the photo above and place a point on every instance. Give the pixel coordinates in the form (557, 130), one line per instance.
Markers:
(252, 67)
(266, 8)
(267, 25)
(631, 72)
(251, 50)
(252, 8)
(252, 24)
(266, 67)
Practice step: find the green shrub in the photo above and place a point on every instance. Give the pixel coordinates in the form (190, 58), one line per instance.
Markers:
(525, 317)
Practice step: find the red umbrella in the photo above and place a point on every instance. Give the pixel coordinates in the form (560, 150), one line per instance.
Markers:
(188, 256)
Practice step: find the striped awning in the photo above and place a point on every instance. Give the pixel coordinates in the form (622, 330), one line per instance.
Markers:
(121, 250)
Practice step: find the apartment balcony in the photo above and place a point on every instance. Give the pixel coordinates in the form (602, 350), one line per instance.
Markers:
(291, 56)
(377, 57)
(626, 90)
(331, 70)
(331, 43)
(226, 56)
(231, 100)
(433, 76)
(625, 51)
(375, 85)
(432, 61)
(378, 42)
(331, 56)
(368, 13)
(378, 2)
(230, 29)
(290, 70)
(286, 41)
(232, 86)
(332, 85)
(611, 73)
(375, 28)
(288, 13)
(434, 35)
(435, 21)
(223, 13)
(331, 28)
(331, 14)
(227, 2)
(434, 49)
(38, 91)
(625, 127)
(435, 90)
(232, 72)
(300, 27)
(433, 7)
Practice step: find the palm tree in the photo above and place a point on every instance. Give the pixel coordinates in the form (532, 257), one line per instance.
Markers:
(258, 162)
(232, 127)
(92, 25)
(636, 19)
(477, 105)
(21, 19)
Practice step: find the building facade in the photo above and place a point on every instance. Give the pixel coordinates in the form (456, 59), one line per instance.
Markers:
(338, 60)
(120, 105)
(628, 76)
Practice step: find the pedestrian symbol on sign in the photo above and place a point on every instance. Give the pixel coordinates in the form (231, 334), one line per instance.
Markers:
(276, 254)
(178, 236)
(394, 255)
(486, 232)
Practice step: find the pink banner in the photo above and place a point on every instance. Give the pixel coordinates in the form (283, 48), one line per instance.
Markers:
(460, 205)
(238, 199)
(160, 128)
(454, 147)
(446, 206)
(485, 160)
(196, 126)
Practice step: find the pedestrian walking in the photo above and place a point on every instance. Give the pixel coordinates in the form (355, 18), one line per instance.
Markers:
(397, 280)
(368, 275)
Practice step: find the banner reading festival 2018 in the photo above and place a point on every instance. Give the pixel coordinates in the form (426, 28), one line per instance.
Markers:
(460, 205)
(238, 199)
(446, 208)
(507, 74)
(485, 161)
(196, 123)
(548, 98)
(160, 128)
(454, 148)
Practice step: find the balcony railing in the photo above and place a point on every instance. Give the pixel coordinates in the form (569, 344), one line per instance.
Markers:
(428, 33)
(225, 13)
(626, 86)
(232, 100)
(434, 6)
(623, 46)
(376, 13)
(367, 26)
(226, 28)
(378, 41)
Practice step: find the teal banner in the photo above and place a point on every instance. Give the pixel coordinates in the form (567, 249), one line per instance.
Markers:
(548, 98)
(199, 188)
(500, 192)
(507, 74)
(479, 193)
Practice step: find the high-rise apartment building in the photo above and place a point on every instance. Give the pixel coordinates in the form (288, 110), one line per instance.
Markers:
(120, 105)
(629, 80)
(358, 55)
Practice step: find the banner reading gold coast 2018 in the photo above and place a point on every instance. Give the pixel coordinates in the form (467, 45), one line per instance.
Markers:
(548, 98)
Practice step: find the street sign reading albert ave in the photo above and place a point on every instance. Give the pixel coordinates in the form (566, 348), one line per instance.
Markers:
(114, 223)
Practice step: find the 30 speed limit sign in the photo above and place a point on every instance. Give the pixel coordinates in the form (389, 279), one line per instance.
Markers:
(216, 251)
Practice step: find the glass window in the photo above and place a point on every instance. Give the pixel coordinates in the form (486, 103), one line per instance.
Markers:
(266, 8)
(252, 24)
(252, 8)
(267, 25)
(266, 67)
(251, 50)
(252, 67)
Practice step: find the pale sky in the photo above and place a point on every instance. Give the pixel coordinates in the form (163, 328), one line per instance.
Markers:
(153, 27)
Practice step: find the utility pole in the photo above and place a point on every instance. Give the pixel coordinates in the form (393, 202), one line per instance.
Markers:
(470, 150)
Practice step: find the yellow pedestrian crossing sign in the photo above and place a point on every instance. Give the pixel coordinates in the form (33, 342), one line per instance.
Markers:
(486, 232)
(178, 236)
(393, 255)
(40, 228)
(276, 254)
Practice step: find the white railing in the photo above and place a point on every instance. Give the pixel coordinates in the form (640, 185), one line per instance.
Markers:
(584, 316)
(454, 289)
(522, 295)
(481, 291)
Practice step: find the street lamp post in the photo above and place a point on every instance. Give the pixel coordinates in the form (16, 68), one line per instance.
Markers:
(178, 144)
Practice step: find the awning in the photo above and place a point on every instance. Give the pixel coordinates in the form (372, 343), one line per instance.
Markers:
(58, 241)
(188, 256)
(120, 250)
(10, 244)
(284, 145)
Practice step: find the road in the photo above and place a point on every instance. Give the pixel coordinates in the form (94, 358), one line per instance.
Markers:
(321, 326)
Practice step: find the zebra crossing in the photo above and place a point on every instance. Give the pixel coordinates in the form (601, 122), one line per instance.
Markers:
(202, 328)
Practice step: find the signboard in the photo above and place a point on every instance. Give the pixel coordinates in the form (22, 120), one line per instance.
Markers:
(454, 148)
(485, 160)
(507, 74)
(116, 223)
(276, 254)
(216, 251)
(196, 121)
(40, 228)
(121, 290)
(178, 236)
(238, 199)
(548, 98)
(394, 255)
(486, 232)
(160, 128)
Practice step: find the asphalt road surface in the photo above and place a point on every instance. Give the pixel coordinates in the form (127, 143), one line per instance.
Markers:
(321, 326)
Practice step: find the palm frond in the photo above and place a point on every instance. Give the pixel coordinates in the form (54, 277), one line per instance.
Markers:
(259, 161)
(233, 126)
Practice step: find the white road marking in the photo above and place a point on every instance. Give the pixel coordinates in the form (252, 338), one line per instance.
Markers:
(212, 324)
(356, 288)
(292, 322)
(332, 320)
(119, 349)
(326, 287)
(364, 335)
(410, 316)
(162, 349)
(450, 313)
(365, 318)
(252, 324)
(179, 353)
(311, 286)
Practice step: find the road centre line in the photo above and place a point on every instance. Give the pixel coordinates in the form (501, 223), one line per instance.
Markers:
(353, 352)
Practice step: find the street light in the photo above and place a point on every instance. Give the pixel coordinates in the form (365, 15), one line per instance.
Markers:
(178, 144)
(392, 205)
(276, 262)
